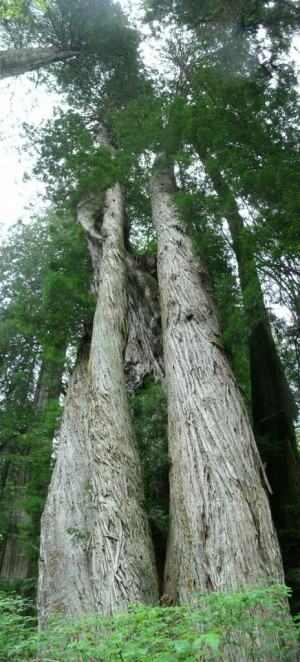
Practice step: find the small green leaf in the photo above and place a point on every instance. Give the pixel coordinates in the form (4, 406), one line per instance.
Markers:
(212, 640)
(197, 644)
(181, 646)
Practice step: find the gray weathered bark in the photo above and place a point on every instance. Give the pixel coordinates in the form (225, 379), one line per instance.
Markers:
(107, 558)
(144, 351)
(16, 61)
(273, 405)
(221, 532)
(68, 518)
(122, 559)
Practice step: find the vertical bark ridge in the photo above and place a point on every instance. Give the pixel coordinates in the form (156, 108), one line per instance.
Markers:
(221, 532)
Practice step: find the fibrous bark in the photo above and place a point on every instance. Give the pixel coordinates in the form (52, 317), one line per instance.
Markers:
(68, 518)
(144, 352)
(221, 531)
(109, 559)
(122, 558)
(273, 405)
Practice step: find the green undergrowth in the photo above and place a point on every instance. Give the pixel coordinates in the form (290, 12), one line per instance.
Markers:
(150, 420)
(157, 634)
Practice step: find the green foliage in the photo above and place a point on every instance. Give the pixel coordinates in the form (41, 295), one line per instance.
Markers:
(18, 9)
(17, 628)
(78, 536)
(70, 162)
(253, 620)
(150, 423)
(45, 309)
(232, 20)
(19, 20)
(140, 125)
(97, 28)
(46, 273)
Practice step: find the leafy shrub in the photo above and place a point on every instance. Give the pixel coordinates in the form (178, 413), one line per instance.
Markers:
(18, 629)
(252, 621)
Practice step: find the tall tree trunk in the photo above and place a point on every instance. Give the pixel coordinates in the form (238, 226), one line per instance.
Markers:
(221, 531)
(273, 405)
(15, 563)
(122, 558)
(107, 557)
(16, 61)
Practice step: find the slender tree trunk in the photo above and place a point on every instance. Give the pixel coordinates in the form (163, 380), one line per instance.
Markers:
(221, 531)
(107, 557)
(14, 563)
(273, 405)
(14, 61)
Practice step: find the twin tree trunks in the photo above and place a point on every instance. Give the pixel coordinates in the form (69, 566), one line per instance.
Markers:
(96, 549)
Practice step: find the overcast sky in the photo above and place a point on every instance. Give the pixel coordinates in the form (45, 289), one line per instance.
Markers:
(23, 100)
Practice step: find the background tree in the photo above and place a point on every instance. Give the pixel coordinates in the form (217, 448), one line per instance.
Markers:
(45, 309)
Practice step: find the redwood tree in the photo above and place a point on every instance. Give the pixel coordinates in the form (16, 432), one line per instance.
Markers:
(96, 545)
(218, 505)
